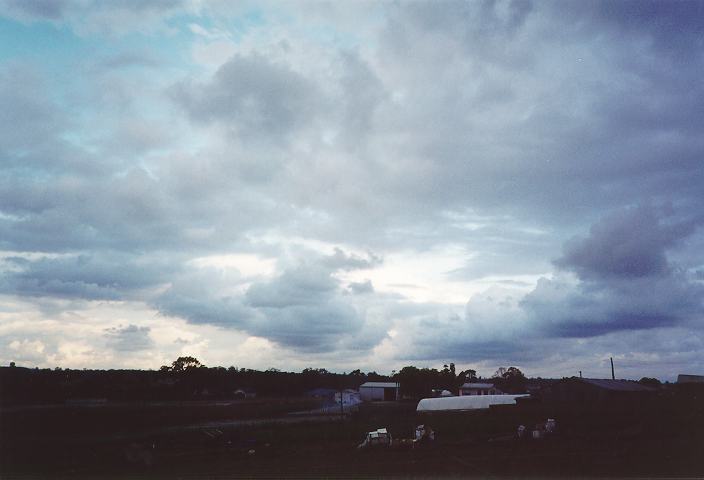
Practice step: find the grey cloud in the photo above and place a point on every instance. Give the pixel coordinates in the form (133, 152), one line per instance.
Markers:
(131, 338)
(624, 256)
(89, 277)
(674, 27)
(361, 288)
(40, 9)
(299, 286)
(302, 308)
(340, 260)
(28, 118)
(253, 97)
(587, 309)
(363, 94)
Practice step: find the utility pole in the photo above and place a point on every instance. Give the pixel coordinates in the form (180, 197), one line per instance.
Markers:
(613, 376)
(580, 374)
(342, 405)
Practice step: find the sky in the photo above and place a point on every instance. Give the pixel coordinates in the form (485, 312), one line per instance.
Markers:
(348, 185)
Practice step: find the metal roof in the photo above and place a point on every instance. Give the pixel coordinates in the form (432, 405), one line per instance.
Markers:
(379, 385)
(617, 385)
(467, 402)
(477, 385)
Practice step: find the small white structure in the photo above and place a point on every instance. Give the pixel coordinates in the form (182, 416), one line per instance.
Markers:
(379, 391)
(479, 389)
(468, 402)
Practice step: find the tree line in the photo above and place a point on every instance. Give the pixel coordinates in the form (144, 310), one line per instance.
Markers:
(186, 378)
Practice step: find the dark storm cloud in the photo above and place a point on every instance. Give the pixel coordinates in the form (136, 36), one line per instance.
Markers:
(131, 338)
(582, 137)
(253, 97)
(675, 27)
(627, 244)
(624, 256)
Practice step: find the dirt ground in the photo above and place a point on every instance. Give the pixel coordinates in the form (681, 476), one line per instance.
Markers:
(261, 440)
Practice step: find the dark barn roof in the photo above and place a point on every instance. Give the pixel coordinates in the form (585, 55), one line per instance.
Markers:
(616, 385)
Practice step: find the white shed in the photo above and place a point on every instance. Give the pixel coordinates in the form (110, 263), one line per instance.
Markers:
(465, 402)
(376, 391)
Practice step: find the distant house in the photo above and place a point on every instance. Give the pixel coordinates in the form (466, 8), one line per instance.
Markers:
(479, 389)
(379, 391)
(349, 397)
(682, 378)
(589, 393)
(244, 393)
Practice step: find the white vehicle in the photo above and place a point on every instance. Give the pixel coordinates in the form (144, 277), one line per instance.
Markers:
(377, 438)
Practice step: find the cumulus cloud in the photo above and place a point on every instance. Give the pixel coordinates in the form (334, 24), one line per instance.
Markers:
(304, 307)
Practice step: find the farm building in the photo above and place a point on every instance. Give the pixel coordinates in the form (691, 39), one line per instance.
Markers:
(466, 402)
(596, 393)
(379, 391)
(479, 389)
(682, 378)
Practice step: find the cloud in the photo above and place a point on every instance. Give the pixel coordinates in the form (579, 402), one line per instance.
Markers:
(88, 277)
(303, 308)
(361, 288)
(252, 97)
(464, 145)
(131, 338)
(90, 17)
(36, 9)
(630, 243)
(600, 292)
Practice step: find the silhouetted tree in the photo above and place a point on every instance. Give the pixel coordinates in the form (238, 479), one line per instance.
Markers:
(511, 380)
(182, 364)
(650, 382)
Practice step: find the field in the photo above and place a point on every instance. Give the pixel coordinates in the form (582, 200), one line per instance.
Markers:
(262, 439)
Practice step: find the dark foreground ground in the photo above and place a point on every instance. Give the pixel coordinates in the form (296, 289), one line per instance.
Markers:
(259, 439)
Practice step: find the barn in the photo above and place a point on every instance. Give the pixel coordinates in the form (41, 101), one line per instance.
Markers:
(379, 391)
(596, 393)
